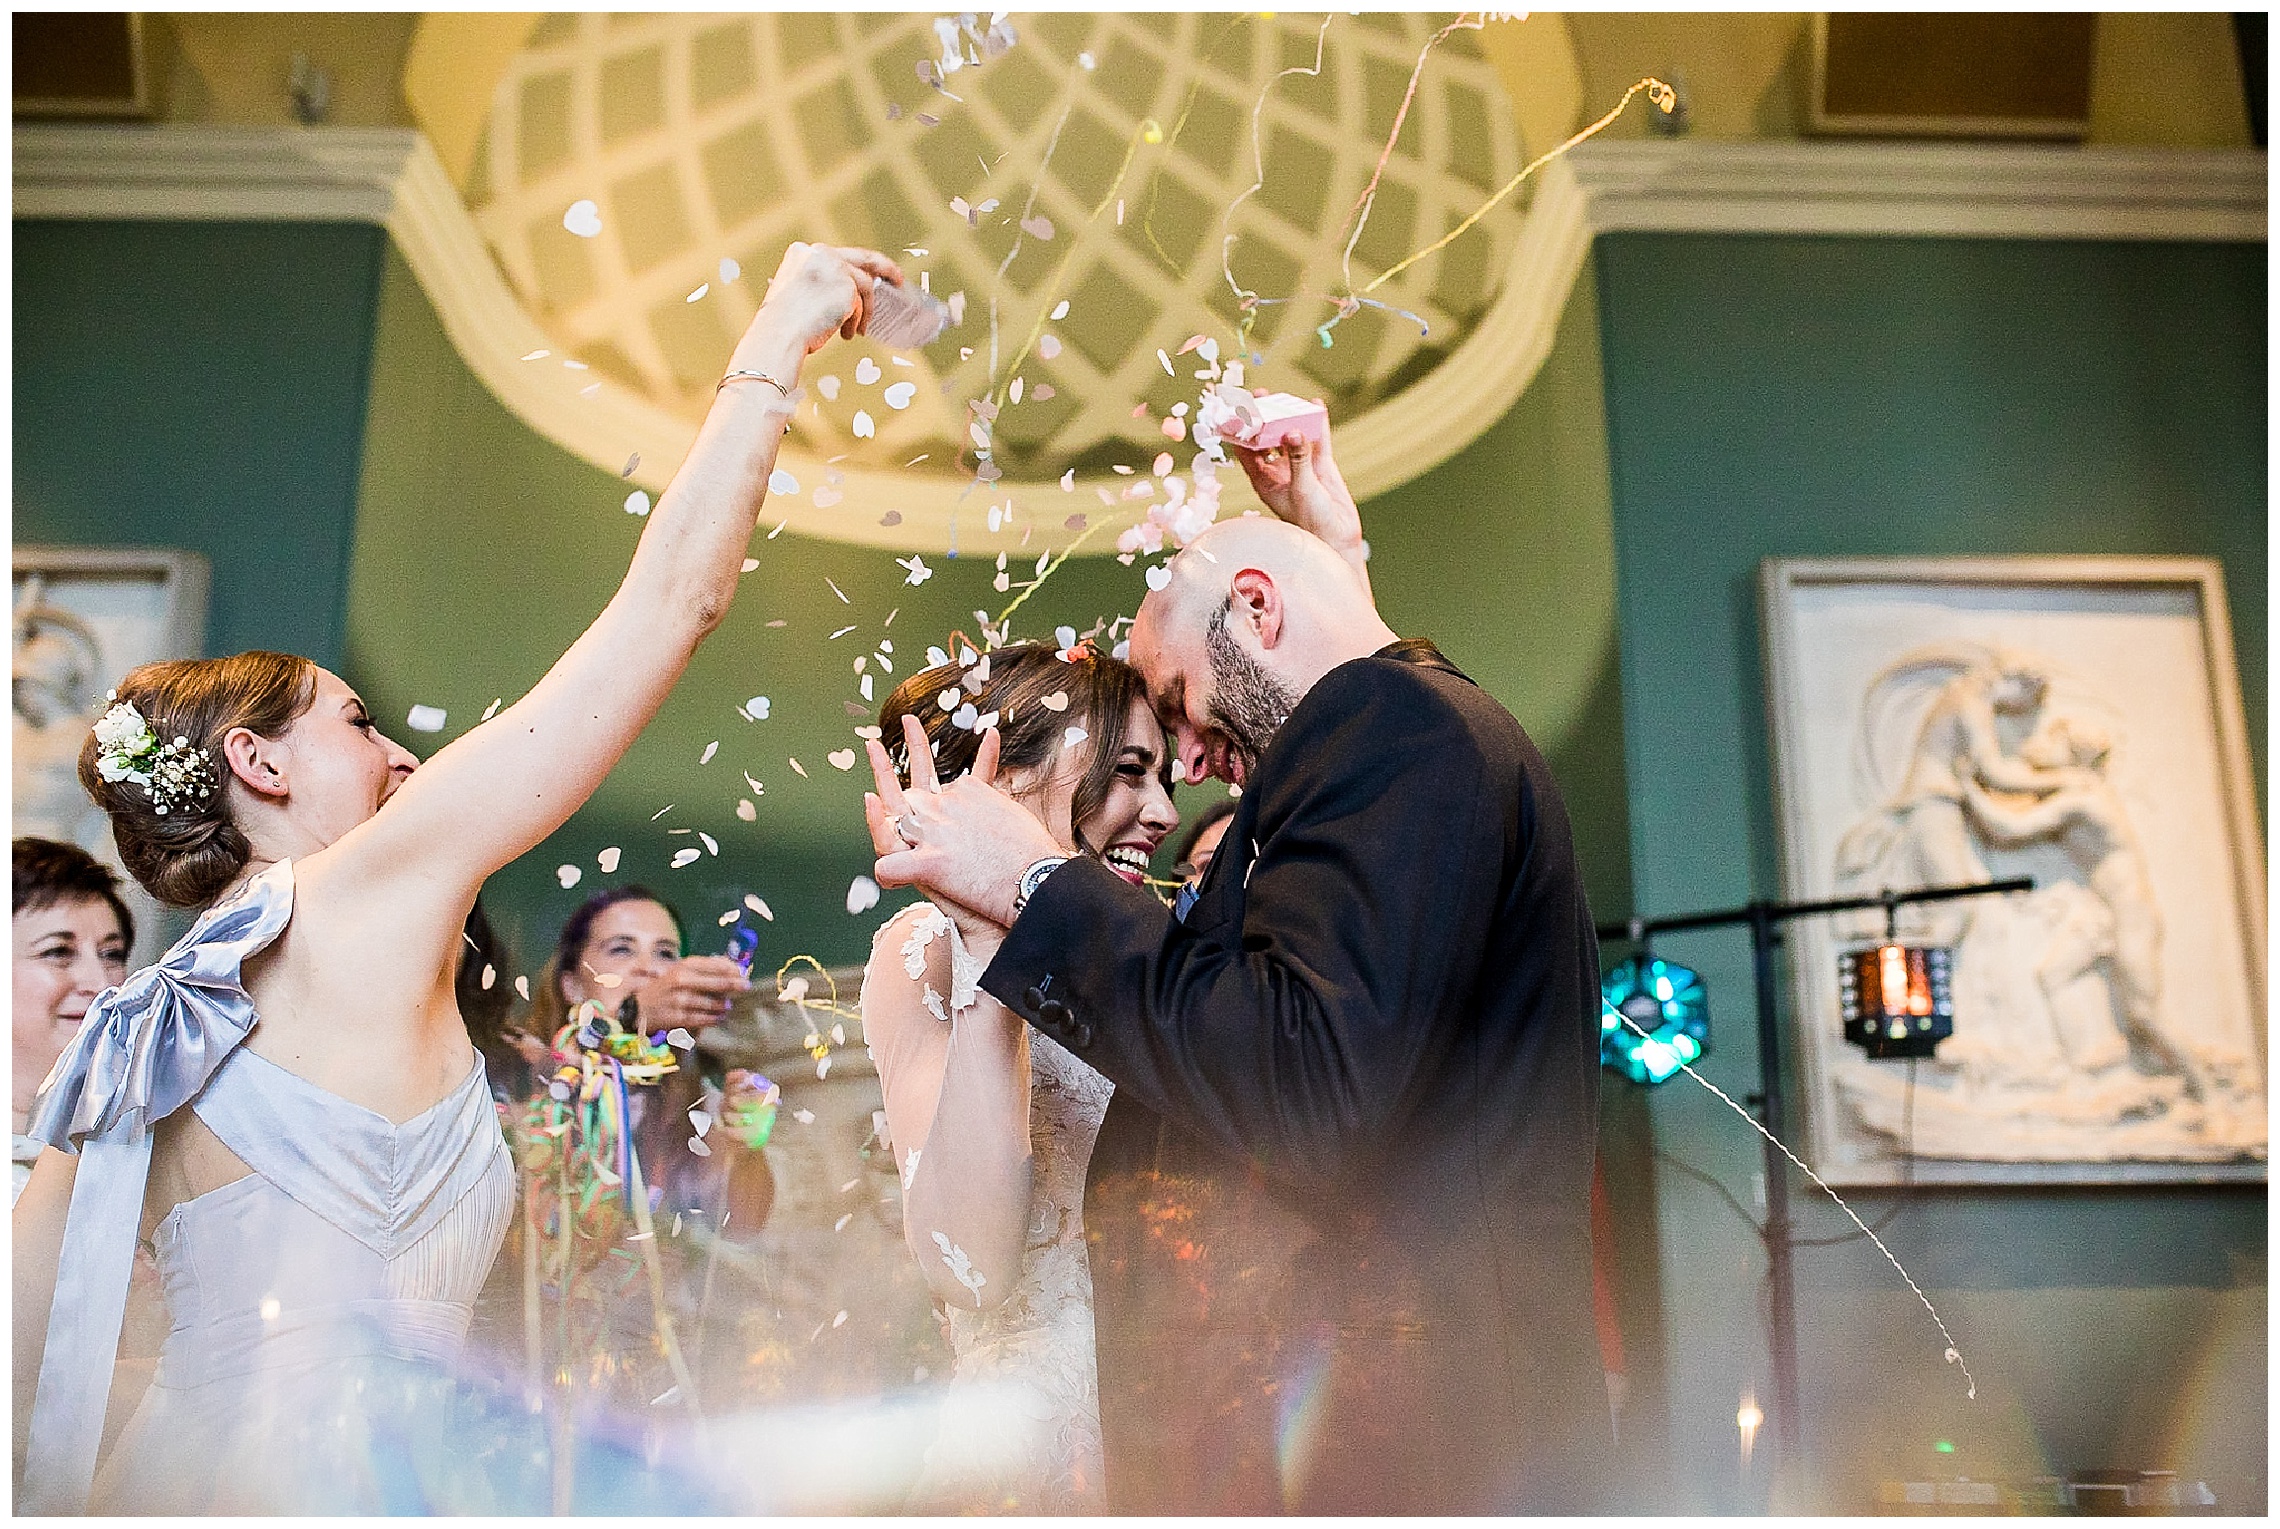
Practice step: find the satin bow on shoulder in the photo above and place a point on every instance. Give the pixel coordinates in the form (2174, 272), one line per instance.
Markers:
(146, 1049)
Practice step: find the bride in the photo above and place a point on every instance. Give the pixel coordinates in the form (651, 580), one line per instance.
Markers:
(326, 1207)
(992, 1124)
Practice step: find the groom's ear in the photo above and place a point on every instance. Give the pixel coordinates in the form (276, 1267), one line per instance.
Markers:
(1259, 603)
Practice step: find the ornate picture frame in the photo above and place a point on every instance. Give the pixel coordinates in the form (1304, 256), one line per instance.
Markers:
(82, 617)
(2074, 719)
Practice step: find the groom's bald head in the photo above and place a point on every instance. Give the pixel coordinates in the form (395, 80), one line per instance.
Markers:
(1255, 611)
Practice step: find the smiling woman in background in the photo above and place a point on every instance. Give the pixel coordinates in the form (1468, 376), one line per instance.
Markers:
(73, 932)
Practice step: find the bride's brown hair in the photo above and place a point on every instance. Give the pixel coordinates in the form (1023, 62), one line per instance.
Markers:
(1031, 735)
(188, 854)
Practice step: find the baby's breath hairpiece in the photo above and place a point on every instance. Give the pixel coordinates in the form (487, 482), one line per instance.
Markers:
(171, 774)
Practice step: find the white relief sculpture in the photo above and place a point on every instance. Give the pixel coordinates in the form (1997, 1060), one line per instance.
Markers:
(55, 665)
(2064, 1047)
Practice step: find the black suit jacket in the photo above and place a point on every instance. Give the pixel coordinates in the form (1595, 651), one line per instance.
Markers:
(1340, 1206)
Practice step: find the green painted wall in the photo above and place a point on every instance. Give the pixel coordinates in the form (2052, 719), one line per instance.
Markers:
(200, 385)
(483, 550)
(1776, 396)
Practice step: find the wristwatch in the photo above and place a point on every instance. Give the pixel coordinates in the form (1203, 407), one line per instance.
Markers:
(1033, 878)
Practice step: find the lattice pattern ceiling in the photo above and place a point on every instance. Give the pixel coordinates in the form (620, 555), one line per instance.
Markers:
(702, 137)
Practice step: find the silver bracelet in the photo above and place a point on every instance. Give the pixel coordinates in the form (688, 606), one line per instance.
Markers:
(738, 376)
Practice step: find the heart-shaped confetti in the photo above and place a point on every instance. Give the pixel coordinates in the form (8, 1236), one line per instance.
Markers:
(1073, 736)
(686, 857)
(841, 759)
(782, 482)
(1159, 576)
(1057, 701)
(608, 860)
(567, 875)
(899, 395)
(828, 386)
(637, 503)
(864, 429)
(862, 895)
(964, 716)
(746, 811)
(583, 219)
(866, 372)
(1038, 227)
(757, 708)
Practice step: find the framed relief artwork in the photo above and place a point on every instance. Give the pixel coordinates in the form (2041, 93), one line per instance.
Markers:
(83, 617)
(2077, 720)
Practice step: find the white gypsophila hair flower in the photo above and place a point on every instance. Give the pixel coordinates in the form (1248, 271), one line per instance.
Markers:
(123, 729)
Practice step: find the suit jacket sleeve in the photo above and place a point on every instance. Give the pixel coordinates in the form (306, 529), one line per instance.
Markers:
(1295, 1031)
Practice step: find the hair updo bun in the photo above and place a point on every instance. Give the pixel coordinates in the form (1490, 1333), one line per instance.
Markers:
(185, 855)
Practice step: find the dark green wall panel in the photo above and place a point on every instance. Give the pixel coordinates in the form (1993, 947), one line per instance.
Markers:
(1792, 397)
(201, 385)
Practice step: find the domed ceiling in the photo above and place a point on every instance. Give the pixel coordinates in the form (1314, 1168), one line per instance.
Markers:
(1070, 181)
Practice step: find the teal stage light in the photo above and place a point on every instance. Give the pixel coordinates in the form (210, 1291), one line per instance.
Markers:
(1666, 1000)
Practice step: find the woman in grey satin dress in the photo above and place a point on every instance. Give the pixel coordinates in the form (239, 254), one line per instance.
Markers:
(328, 1204)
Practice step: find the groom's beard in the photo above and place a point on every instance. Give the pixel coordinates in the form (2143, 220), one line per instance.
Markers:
(1247, 702)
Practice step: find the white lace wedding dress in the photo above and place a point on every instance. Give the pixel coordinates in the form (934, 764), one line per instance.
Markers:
(1020, 1423)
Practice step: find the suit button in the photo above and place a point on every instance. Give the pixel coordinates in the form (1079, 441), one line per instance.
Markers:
(1034, 997)
(1053, 1012)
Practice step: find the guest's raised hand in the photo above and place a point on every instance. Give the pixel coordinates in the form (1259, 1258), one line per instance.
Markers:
(817, 290)
(692, 993)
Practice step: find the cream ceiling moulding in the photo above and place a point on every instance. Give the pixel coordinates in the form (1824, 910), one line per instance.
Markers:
(393, 178)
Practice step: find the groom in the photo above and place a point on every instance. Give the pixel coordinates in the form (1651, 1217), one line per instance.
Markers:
(1340, 1204)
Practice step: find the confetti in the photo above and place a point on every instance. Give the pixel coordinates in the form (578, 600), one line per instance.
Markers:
(1060, 310)
(1159, 576)
(712, 845)
(835, 589)
(567, 875)
(1039, 227)
(750, 563)
(700, 292)
(686, 857)
(1165, 362)
(1042, 393)
(862, 894)
(608, 860)
(798, 769)
(757, 708)
(746, 811)
(490, 975)
(1074, 523)
(864, 429)
(828, 386)
(899, 395)
(491, 710)
(916, 567)
(425, 719)
(782, 482)
(1069, 481)
(522, 987)
(757, 788)
(804, 1117)
(866, 372)
(538, 355)
(696, 1145)
(842, 632)
(1057, 701)
(711, 749)
(583, 219)
(637, 502)
(1073, 736)
(841, 1224)
(826, 497)
(683, 1039)
(891, 518)
(660, 812)
(1048, 346)
(759, 907)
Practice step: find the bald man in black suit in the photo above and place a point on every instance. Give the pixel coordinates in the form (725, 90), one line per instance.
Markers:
(1340, 1206)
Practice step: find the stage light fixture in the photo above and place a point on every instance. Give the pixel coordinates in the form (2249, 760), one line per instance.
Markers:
(1898, 1000)
(1668, 1001)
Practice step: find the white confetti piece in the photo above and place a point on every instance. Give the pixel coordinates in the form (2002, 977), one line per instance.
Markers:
(522, 986)
(841, 593)
(746, 811)
(865, 688)
(711, 749)
(839, 1320)
(1060, 310)
(864, 428)
(712, 845)
(798, 769)
(965, 717)
(841, 759)
(729, 269)
(568, 875)
(683, 1039)
(699, 293)
(842, 632)
(915, 566)
(538, 355)
(822, 1068)
(583, 219)
(697, 1145)
(866, 372)
(841, 1224)
(490, 975)
(1159, 576)
(660, 812)
(637, 502)
(1165, 362)
(608, 860)
(687, 857)
(898, 395)
(828, 386)
(757, 788)
(750, 563)
(757, 708)
(782, 482)
(1073, 736)
(804, 1117)
(862, 895)
(425, 719)
(759, 907)
(1048, 346)
(491, 710)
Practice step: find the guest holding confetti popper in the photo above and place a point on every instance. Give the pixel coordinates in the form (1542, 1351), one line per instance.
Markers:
(327, 1189)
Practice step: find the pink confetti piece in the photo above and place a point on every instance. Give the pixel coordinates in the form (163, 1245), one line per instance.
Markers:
(1039, 227)
(891, 518)
(841, 759)
(750, 564)
(1042, 393)
(608, 860)
(746, 811)
(1048, 346)
(826, 496)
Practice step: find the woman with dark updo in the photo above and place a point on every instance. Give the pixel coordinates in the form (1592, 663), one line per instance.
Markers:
(287, 1105)
(992, 1123)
